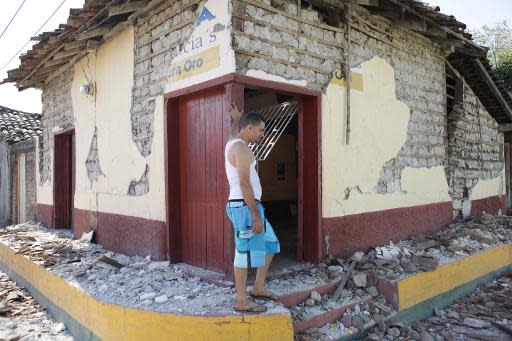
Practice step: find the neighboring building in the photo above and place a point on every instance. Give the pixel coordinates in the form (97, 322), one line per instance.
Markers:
(134, 123)
(18, 133)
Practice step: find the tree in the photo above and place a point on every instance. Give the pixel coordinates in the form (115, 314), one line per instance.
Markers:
(504, 70)
(498, 38)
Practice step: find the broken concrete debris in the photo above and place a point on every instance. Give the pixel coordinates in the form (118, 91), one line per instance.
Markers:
(22, 318)
(161, 286)
(484, 315)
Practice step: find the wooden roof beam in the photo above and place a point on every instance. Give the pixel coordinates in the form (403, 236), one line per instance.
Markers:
(130, 7)
(493, 87)
(95, 32)
(479, 49)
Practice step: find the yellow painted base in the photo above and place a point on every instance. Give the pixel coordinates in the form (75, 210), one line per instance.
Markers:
(426, 285)
(114, 322)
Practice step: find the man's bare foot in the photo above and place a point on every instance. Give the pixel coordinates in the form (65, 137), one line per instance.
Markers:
(263, 294)
(249, 307)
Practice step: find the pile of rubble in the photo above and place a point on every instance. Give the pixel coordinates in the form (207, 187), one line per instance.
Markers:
(484, 315)
(357, 276)
(160, 286)
(22, 318)
(119, 279)
(426, 253)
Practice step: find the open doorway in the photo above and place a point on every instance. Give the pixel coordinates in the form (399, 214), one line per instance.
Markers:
(277, 164)
(196, 132)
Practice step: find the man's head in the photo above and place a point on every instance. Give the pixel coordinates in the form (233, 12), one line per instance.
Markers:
(252, 126)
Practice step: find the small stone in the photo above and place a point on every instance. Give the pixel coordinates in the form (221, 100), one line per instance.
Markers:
(357, 309)
(161, 299)
(138, 265)
(425, 336)
(359, 279)
(358, 322)
(335, 270)
(14, 295)
(59, 328)
(372, 291)
(438, 312)
(394, 332)
(316, 296)
(158, 265)
(310, 302)
(147, 296)
(475, 323)
(453, 314)
(347, 321)
(171, 276)
(487, 219)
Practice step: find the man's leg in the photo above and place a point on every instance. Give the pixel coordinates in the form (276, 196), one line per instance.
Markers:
(242, 303)
(259, 285)
(241, 287)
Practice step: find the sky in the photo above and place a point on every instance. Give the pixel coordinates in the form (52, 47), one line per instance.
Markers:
(33, 13)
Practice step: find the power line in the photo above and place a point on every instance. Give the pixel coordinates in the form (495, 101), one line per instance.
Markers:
(10, 21)
(28, 41)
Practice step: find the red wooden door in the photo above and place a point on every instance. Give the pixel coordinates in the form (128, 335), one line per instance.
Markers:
(64, 179)
(203, 221)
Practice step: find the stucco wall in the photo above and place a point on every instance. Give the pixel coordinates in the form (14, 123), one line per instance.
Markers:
(105, 117)
(378, 123)
(397, 155)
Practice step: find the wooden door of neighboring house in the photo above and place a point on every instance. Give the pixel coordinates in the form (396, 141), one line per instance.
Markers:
(202, 179)
(21, 201)
(64, 179)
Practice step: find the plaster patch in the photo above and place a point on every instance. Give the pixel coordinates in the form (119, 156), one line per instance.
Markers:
(260, 74)
(378, 124)
(487, 188)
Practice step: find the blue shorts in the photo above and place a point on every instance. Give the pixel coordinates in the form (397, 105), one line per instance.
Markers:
(250, 248)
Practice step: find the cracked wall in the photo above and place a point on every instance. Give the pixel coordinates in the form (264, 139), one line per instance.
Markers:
(92, 163)
(379, 129)
(475, 162)
(57, 115)
(104, 144)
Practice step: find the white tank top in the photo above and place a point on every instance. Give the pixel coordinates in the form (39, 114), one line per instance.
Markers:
(235, 191)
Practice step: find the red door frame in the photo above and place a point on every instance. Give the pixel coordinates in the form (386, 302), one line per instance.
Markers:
(309, 177)
(64, 178)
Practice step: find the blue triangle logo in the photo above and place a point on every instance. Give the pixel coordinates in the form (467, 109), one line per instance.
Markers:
(206, 15)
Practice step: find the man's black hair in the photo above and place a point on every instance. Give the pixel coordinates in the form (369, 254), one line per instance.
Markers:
(251, 118)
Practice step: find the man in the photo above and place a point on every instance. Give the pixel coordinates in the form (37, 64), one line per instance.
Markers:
(255, 240)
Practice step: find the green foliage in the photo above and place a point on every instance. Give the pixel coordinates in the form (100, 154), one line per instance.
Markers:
(498, 38)
(504, 69)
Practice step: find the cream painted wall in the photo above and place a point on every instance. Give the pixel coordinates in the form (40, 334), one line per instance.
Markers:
(224, 62)
(378, 130)
(488, 188)
(111, 69)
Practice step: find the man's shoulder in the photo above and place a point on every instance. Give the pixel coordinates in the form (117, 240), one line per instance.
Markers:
(239, 146)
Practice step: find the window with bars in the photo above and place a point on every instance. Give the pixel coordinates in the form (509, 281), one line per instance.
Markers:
(277, 118)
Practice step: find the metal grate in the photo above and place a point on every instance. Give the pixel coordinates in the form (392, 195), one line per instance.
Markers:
(277, 118)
